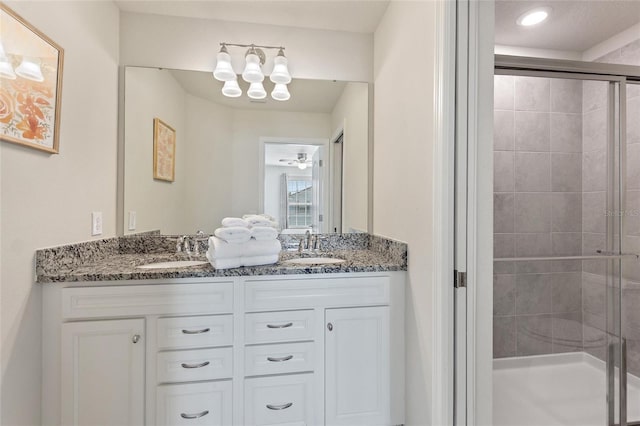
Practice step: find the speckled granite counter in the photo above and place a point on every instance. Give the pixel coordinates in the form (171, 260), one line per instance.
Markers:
(117, 259)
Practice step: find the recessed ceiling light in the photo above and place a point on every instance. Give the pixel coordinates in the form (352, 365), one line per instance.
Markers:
(534, 16)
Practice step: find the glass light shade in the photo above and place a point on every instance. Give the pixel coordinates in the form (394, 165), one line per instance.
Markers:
(280, 72)
(302, 166)
(6, 70)
(281, 93)
(231, 89)
(30, 69)
(224, 71)
(256, 91)
(252, 72)
(533, 17)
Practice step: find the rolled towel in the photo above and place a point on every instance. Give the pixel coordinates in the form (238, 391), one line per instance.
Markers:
(220, 249)
(264, 233)
(229, 222)
(233, 234)
(259, 221)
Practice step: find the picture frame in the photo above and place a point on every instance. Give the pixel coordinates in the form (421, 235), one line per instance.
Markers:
(31, 66)
(164, 151)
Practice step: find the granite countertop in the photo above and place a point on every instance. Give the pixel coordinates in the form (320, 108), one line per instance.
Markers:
(108, 260)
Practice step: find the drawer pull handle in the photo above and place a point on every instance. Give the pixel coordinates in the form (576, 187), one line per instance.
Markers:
(204, 364)
(204, 330)
(287, 325)
(194, 416)
(279, 359)
(279, 407)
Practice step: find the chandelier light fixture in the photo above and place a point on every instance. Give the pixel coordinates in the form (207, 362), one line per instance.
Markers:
(252, 73)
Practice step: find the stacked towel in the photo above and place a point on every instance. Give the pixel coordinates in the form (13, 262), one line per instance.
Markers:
(224, 255)
(228, 222)
(260, 220)
(264, 233)
(233, 234)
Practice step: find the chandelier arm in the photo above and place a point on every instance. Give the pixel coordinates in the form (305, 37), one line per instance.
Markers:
(251, 45)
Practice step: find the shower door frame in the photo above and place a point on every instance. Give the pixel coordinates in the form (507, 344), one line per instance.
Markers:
(616, 76)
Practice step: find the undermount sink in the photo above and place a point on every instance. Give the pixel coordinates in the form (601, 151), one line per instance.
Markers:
(173, 264)
(314, 261)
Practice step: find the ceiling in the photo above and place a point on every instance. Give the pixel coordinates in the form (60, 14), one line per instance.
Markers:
(274, 152)
(360, 16)
(318, 96)
(573, 25)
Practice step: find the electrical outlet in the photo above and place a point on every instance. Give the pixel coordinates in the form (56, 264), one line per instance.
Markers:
(132, 221)
(96, 223)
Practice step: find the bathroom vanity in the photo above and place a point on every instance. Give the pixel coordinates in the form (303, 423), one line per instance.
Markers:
(280, 344)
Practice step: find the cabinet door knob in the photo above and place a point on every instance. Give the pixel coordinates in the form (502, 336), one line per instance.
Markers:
(330, 327)
(135, 338)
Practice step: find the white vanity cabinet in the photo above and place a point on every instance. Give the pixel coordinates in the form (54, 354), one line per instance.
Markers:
(318, 349)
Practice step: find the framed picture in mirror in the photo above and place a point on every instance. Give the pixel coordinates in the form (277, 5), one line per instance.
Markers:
(164, 151)
(30, 84)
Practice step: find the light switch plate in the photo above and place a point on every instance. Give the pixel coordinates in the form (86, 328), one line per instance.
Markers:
(132, 221)
(96, 223)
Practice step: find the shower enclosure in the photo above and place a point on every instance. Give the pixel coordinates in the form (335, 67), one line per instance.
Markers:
(566, 315)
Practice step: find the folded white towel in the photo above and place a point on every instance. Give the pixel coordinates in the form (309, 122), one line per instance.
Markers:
(228, 222)
(233, 234)
(237, 262)
(263, 215)
(220, 249)
(259, 221)
(264, 233)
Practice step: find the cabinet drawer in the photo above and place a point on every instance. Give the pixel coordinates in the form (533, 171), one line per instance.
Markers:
(194, 365)
(195, 332)
(275, 294)
(194, 404)
(274, 327)
(278, 359)
(279, 400)
(138, 300)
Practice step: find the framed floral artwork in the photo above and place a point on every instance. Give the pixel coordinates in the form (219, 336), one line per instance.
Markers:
(30, 84)
(164, 151)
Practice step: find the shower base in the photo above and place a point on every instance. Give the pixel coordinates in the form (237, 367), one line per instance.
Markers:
(561, 389)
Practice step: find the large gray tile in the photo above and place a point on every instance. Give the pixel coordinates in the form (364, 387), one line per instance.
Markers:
(504, 337)
(594, 300)
(613, 57)
(566, 292)
(533, 212)
(594, 166)
(633, 123)
(504, 294)
(504, 267)
(533, 294)
(633, 357)
(566, 243)
(503, 212)
(632, 213)
(591, 243)
(566, 132)
(503, 131)
(533, 335)
(567, 332)
(528, 245)
(633, 90)
(532, 172)
(566, 212)
(503, 171)
(631, 266)
(594, 341)
(633, 166)
(533, 267)
(566, 172)
(593, 212)
(532, 94)
(566, 95)
(594, 95)
(594, 130)
(503, 87)
(532, 131)
(566, 266)
(503, 245)
(631, 311)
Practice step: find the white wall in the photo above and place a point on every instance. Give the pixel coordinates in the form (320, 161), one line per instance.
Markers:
(402, 203)
(192, 44)
(47, 199)
(208, 194)
(248, 127)
(152, 93)
(352, 114)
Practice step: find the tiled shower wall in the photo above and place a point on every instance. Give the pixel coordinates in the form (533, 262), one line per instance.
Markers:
(537, 212)
(594, 275)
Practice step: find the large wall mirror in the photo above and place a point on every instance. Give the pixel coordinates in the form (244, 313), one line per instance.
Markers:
(304, 161)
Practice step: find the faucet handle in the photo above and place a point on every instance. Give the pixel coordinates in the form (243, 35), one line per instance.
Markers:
(179, 243)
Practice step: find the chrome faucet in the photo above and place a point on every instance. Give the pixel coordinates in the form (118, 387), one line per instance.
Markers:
(308, 242)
